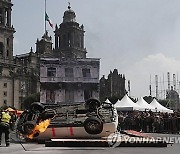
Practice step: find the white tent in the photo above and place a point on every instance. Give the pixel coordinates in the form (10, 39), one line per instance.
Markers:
(126, 104)
(142, 103)
(159, 107)
(107, 101)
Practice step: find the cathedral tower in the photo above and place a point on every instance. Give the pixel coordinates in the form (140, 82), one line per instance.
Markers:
(44, 46)
(6, 31)
(69, 37)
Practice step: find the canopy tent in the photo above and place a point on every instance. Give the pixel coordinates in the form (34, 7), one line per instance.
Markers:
(159, 107)
(17, 112)
(107, 101)
(126, 104)
(142, 103)
(10, 109)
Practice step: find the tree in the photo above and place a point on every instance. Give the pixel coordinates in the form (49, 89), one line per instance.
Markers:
(114, 99)
(148, 99)
(29, 100)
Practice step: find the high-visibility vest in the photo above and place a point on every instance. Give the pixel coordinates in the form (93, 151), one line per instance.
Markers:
(5, 117)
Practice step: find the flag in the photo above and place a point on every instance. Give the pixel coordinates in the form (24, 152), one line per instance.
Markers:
(47, 19)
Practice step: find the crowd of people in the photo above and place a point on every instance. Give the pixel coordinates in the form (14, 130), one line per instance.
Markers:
(148, 121)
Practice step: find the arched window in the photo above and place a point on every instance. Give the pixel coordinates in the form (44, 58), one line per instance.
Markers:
(7, 53)
(1, 49)
(1, 15)
(7, 41)
(86, 73)
(51, 72)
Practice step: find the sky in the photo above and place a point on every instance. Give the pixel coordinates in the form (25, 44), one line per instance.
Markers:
(140, 38)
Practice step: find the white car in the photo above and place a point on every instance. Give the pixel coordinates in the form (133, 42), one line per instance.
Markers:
(91, 119)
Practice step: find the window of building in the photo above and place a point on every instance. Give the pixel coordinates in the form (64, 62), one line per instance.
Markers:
(5, 102)
(1, 48)
(69, 72)
(5, 93)
(7, 41)
(50, 96)
(69, 39)
(6, 17)
(87, 94)
(69, 95)
(5, 85)
(22, 85)
(51, 72)
(7, 53)
(1, 15)
(86, 72)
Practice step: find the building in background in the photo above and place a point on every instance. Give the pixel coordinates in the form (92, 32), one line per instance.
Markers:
(172, 97)
(113, 86)
(19, 74)
(68, 76)
(71, 78)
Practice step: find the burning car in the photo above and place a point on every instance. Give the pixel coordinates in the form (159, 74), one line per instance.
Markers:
(35, 120)
(90, 119)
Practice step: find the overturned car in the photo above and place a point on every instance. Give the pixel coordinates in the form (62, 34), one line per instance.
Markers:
(91, 119)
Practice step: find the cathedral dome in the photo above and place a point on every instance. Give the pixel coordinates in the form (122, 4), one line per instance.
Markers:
(69, 15)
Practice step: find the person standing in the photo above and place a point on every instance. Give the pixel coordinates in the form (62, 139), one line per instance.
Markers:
(5, 126)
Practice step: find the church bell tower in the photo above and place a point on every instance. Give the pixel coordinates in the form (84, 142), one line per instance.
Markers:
(44, 46)
(69, 37)
(6, 31)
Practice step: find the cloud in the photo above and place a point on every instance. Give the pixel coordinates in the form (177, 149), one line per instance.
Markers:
(154, 64)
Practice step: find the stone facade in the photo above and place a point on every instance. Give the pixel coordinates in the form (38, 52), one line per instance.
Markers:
(173, 99)
(113, 86)
(69, 77)
(69, 80)
(18, 77)
(20, 74)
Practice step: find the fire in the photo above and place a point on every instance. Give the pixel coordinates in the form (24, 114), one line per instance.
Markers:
(39, 128)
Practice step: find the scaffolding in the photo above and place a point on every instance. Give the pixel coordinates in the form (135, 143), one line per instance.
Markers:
(160, 86)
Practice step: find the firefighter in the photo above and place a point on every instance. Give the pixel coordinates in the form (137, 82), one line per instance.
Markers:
(5, 126)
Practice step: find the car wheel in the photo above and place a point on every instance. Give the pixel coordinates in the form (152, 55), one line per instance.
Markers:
(36, 134)
(93, 104)
(37, 107)
(28, 127)
(48, 114)
(93, 125)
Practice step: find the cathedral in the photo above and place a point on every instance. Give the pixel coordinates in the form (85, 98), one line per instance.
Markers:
(113, 86)
(18, 74)
(74, 77)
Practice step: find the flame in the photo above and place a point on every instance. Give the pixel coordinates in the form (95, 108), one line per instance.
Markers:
(39, 128)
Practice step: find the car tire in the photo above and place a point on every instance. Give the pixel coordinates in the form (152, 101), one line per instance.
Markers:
(28, 127)
(93, 104)
(48, 114)
(93, 125)
(37, 107)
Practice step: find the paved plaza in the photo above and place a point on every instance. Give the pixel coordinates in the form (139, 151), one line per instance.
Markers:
(17, 148)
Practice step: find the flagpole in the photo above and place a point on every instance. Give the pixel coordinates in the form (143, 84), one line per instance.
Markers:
(45, 18)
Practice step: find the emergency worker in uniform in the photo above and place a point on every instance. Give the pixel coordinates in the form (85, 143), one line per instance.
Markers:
(5, 119)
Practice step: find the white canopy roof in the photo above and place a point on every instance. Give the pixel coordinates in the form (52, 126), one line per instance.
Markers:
(142, 103)
(159, 107)
(108, 101)
(126, 103)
